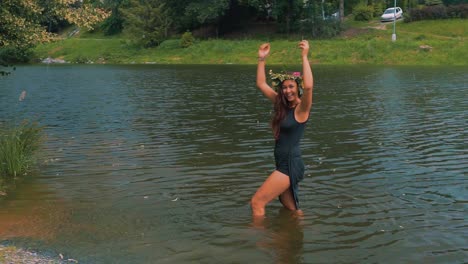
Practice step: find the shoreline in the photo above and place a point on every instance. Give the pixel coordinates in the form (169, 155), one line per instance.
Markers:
(12, 254)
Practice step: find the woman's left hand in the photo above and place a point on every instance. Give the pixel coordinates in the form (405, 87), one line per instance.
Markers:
(304, 45)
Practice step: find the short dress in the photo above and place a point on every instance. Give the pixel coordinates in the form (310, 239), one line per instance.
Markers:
(288, 158)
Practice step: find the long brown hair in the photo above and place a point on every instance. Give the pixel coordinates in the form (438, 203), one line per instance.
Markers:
(280, 109)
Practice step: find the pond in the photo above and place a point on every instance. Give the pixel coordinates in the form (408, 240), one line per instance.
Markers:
(157, 164)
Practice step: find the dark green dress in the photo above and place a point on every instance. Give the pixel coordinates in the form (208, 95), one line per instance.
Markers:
(288, 153)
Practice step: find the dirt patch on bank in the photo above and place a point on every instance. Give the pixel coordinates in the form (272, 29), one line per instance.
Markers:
(353, 32)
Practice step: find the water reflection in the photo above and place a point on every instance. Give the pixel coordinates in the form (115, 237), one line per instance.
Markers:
(282, 236)
(23, 217)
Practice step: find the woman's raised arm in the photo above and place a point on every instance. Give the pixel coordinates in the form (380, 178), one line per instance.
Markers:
(308, 82)
(263, 53)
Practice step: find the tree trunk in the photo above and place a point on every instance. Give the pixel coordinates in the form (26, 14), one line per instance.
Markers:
(341, 10)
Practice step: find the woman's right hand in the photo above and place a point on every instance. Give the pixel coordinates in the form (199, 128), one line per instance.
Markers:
(304, 45)
(264, 50)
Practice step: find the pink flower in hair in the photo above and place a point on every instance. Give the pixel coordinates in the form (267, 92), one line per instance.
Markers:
(296, 74)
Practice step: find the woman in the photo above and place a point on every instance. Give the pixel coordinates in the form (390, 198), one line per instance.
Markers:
(291, 112)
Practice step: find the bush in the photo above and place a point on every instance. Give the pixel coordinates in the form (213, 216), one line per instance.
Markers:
(15, 55)
(437, 12)
(363, 12)
(379, 8)
(458, 11)
(187, 40)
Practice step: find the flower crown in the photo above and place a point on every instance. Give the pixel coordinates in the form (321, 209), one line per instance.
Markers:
(278, 78)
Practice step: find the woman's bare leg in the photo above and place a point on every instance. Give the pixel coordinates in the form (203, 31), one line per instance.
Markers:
(287, 199)
(276, 184)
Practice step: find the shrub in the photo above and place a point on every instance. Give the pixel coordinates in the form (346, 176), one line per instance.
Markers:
(15, 55)
(187, 40)
(363, 12)
(458, 11)
(437, 12)
(379, 8)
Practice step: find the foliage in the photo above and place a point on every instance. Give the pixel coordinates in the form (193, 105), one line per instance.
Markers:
(15, 55)
(22, 24)
(319, 28)
(187, 40)
(115, 22)
(18, 145)
(193, 14)
(147, 21)
(433, 2)
(363, 12)
(378, 8)
(287, 14)
(206, 11)
(21, 19)
(457, 11)
(437, 12)
(407, 5)
(454, 2)
(315, 26)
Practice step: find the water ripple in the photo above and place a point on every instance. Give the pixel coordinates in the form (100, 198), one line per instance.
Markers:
(168, 157)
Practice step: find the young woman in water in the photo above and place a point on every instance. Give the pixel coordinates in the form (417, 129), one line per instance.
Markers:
(292, 100)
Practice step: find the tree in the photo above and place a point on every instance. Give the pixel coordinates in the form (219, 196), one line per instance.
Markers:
(286, 13)
(193, 14)
(20, 23)
(115, 22)
(148, 21)
(20, 20)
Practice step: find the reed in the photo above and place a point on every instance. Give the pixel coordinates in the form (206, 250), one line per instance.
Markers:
(18, 145)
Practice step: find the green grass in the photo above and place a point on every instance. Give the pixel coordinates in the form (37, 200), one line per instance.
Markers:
(368, 46)
(450, 28)
(18, 145)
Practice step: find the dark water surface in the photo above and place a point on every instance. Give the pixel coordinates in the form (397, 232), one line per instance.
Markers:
(156, 164)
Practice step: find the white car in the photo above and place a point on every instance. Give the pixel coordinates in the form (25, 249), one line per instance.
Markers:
(391, 14)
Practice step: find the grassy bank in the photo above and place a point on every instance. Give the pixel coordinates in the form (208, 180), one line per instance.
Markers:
(361, 43)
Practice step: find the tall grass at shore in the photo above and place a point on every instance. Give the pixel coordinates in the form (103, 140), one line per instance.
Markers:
(18, 145)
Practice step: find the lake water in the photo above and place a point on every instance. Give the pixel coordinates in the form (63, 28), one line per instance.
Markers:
(156, 164)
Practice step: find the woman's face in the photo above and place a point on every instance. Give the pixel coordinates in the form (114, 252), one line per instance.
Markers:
(290, 91)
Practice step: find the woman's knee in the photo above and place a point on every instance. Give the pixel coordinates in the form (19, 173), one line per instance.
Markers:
(256, 202)
(257, 206)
